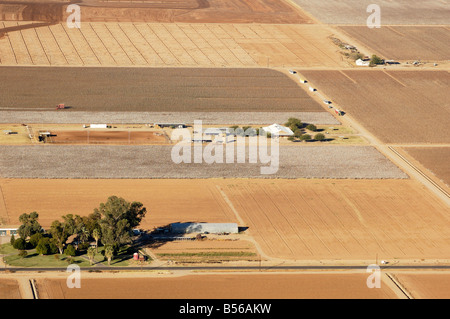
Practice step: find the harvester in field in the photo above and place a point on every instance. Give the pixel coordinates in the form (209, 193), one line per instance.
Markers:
(60, 107)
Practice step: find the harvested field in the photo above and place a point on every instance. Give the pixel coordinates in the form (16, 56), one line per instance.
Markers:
(249, 286)
(174, 45)
(317, 219)
(9, 289)
(387, 103)
(152, 89)
(402, 43)
(344, 219)
(207, 118)
(107, 137)
(51, 161)
(426, 286)
(435, 159)
(167, 201)
(414, 12)
(192, 11)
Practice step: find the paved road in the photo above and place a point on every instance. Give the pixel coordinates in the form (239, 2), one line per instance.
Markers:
(235, 268)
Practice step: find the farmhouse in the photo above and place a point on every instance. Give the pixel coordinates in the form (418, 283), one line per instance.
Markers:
(8, 230)
(276, 129)
(212, 228)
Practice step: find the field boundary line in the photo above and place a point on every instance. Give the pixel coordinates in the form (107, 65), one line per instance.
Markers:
(73, 45)
(26, 45)
(10, 44)
(347, 76)
(395, 79)
(395, 31)
(103, 43)
(443, 191)
(4, 205)
(59, 46)
(42, 46)
(399, 286)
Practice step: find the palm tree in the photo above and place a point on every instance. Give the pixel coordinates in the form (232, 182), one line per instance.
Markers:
(96, 234)
(91, 254)
(109, 253)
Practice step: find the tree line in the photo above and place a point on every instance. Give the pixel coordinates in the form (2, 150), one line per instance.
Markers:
(111, 224)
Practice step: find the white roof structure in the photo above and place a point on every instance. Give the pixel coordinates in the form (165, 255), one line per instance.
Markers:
(362, 63)
(212, 228)
(276, 129)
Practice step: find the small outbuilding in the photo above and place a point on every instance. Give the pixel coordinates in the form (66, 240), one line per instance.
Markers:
(280, 130)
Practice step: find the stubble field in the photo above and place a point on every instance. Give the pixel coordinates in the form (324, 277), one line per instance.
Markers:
(161, 161)
(316, 219)
(267, 286)
(167, 44)
(407, 12)
(396, 106)
(436, 159)
(405, 43)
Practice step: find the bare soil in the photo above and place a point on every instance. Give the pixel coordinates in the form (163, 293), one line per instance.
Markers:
(395, 106)
(192, 11)
(405, 43)
(433, 158)
(290, 219)
(253, 286)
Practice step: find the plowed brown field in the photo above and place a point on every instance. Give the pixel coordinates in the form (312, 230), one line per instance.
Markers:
(201, 11)
(426, 286)
(436, 159)
(396, 106)
(9, 289)
(292, 219)
(426, 43)
(219, 286)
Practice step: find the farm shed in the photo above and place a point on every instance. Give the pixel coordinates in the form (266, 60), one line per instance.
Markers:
(276, 129)
(213, 228)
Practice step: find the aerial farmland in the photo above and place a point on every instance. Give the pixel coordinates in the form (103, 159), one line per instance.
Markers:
(164, 112)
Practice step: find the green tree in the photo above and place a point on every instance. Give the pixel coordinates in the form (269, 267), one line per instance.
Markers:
(311, 127)
(298, 133)
(96, 235)
(59, 233)
(23, 253)
(305, 137)
(91, 254)
(109, 253)
(291, 138)
(11, 241)
(20, 244)
(35, 238)
(294, 124)
(319, 137)
(30, 225)
(375, 60)
(119, 217)
(70, 250)
(43, 247)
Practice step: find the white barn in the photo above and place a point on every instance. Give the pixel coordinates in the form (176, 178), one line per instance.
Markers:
(276, 129)
(212, 228)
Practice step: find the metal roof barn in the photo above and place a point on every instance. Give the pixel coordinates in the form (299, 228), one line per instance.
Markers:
(212, 228)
